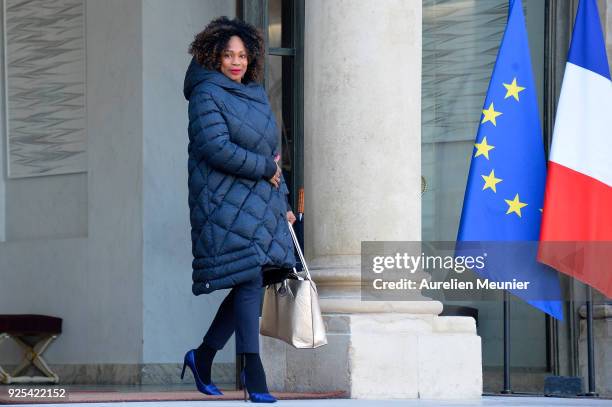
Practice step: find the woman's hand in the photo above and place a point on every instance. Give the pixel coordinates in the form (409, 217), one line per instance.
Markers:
(276, 179)
(291, 217)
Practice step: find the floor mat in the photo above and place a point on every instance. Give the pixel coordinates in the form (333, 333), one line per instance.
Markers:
(101, 396)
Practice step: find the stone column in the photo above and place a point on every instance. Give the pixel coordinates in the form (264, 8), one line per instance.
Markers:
(362, 183)
(362, 138)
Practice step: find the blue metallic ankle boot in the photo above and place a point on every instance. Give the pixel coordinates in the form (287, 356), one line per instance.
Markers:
(209, 389)
(255, 397)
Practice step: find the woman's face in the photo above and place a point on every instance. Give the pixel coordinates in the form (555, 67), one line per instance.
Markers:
(234, 59)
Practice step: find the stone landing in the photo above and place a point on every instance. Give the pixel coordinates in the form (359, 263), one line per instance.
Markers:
(383, 356)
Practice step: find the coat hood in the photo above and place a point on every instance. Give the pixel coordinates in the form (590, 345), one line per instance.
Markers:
(196, 74)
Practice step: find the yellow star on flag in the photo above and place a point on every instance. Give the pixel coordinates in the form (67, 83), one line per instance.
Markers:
(491, 181)
(513, 90)
(483, 148)
(515, 205)
(490, 114)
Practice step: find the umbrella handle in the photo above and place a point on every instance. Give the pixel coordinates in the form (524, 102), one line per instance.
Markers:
(300, 205)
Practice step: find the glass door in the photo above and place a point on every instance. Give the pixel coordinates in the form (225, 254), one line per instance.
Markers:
(282, 22)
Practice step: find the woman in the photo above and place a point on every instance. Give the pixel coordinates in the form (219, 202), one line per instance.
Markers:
(237, 195)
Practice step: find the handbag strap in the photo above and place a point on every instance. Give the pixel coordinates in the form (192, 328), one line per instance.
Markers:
(299, 250)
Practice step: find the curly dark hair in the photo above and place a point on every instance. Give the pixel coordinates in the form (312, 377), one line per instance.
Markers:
(209, 44)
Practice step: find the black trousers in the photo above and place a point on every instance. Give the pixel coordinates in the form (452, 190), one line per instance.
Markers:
(239, 313)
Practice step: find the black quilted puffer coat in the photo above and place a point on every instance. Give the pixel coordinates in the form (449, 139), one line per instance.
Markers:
(238, 218)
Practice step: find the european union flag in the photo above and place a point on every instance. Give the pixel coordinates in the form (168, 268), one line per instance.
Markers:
(505, 189)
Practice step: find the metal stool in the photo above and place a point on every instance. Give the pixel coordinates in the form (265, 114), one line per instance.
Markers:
(44, 329)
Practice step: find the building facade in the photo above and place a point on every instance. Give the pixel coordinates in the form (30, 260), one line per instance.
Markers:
(378, 102)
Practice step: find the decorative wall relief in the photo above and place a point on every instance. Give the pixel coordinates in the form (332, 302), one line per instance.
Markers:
(45, 77)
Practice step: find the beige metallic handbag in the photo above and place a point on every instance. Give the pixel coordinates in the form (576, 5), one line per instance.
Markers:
(291, 310)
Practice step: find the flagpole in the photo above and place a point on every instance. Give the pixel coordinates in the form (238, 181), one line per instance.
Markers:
(590, 344)
(507, 388)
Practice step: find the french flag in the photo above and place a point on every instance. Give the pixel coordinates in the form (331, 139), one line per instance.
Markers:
(576, 231)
